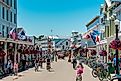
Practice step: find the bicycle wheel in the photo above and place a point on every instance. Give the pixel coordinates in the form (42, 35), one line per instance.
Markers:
(100, 76)
(94, 73)
(108, 76)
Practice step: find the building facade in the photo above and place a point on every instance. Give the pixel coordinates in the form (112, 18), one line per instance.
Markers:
(92, 26)
(107, 25)
(8, 16)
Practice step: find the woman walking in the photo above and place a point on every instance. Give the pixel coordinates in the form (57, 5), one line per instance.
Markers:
(36, 64)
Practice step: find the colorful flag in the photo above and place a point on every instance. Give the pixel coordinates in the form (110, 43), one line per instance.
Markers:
(21, 35)
(93, 38)
(97, 39)
(96, 32)
(13, 33)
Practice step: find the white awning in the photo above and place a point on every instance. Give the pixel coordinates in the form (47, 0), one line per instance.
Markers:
(102, 42)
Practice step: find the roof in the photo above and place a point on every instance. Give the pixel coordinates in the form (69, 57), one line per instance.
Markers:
(92, 20)
(19, 29)
(57, 40)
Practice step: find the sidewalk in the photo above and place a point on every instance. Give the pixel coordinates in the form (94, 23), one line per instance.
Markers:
(12, 78)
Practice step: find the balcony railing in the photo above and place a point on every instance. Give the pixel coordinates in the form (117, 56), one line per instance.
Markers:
(8, 6)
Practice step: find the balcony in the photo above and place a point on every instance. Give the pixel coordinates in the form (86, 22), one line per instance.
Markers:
(5, 4)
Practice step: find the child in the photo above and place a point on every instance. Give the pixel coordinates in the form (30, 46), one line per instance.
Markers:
(79, 71)
(15, 68)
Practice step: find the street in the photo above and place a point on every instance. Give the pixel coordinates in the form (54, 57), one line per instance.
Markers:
(61, 71)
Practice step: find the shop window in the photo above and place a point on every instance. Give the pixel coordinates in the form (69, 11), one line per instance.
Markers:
(7, 15)
(3, 13)
(66, 43)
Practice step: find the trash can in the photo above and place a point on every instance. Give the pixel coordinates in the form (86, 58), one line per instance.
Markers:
(111, 68)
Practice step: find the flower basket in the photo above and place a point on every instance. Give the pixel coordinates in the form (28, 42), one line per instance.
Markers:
(26, 51)
(82, 51)
(103, 53)
(2, 53)
(86, 50)
(115, 44)
(93, 52)
(19, 50)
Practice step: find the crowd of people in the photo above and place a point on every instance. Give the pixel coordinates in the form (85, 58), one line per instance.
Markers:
(46, 58)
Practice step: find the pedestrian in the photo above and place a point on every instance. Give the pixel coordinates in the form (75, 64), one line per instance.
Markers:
(56, 56)
(15, 68)
(41, 62)
(48, 65)
(69, 60)
(36, 65)
(79, 69)
(114, 62)
(9, 67)
(1, 72)
(74, 62)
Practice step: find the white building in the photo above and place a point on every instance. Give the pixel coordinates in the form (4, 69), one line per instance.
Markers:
(61, 44)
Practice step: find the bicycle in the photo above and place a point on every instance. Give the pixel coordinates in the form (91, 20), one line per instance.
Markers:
(104, 75)
(95, 71)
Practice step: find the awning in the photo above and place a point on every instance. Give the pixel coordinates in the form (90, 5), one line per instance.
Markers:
(102, 42)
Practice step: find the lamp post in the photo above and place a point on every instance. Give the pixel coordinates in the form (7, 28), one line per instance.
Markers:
(86, 50)
(117, 22)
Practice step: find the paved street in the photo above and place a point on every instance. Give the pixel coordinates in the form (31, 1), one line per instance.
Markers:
(62, 71)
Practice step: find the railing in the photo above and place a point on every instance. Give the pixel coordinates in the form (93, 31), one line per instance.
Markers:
(8, 6)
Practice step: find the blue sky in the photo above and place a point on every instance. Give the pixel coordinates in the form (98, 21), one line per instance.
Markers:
(62, 16)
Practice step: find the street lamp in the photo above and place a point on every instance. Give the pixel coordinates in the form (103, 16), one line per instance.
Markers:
(117, 22)
(86, 48)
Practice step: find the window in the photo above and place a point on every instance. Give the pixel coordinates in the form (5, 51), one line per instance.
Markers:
(15, 18)
(66, 43)
(11, 17)
(3, 27)
(7, 15)
(7, 30)
(3, 13)
(7, 2)
(63, 47)
(11, 3)
(15, 4)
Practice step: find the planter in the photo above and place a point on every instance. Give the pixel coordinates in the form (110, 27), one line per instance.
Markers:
(93, 52)
(103, 53)
(115, 44)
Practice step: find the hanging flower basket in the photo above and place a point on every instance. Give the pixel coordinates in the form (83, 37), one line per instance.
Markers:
(2, 53)
(82, 51)
(103, 53)
(19, 50)
(115, 44)
(31, 51)
(35, 51)
(86, 50)
(93, 52)
(26, 51)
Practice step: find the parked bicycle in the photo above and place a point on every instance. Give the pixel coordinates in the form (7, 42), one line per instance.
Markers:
(101, 72)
